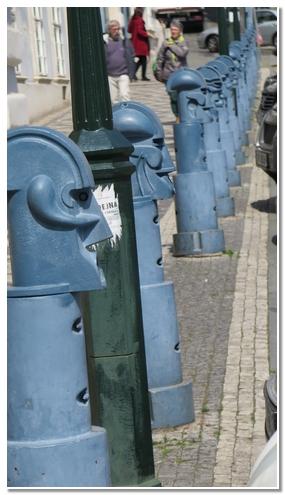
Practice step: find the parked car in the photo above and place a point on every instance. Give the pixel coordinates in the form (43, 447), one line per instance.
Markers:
(266, 24)
(209, 38)
(268, 97)
(270, 395)
(266, 144)
(192, 18)
(264, 473)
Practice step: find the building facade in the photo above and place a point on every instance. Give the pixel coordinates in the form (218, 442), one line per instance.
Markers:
(38, 60)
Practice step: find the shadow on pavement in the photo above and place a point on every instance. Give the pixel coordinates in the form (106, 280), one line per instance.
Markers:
(265, 205)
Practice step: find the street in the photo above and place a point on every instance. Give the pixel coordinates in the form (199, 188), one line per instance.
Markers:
(224, 303)
(222, 309)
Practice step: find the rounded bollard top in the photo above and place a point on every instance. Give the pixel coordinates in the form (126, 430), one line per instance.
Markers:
(238, 51)
(234, 64)
(141, 126)
(235, 53)
(136, 121)
(19, 140)
(221, 67)
(186, 79)
(227, 60)
(212, 77)
(54, 219)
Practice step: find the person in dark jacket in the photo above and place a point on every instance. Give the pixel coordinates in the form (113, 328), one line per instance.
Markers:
(120, 62)
(140, 40)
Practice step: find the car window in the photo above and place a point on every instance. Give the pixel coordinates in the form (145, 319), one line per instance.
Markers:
(265, 17)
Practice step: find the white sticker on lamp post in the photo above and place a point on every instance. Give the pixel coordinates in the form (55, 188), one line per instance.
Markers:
(109, 204)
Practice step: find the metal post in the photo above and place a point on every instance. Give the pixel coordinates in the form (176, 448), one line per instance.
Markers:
(223, 31)
(126, 20)
(113, 321)
(236, 24)
(242, 19)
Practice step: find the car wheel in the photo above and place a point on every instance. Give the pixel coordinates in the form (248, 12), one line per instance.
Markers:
(212, 43)
(274, 40)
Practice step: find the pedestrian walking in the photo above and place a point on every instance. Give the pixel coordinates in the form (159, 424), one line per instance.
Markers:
(157, 39)
(120, 62)
(140, 40)
(171, 56)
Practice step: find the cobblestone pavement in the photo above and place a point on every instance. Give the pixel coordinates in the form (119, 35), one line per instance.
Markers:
(222, 315)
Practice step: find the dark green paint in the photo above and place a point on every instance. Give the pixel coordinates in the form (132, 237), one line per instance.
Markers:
(236, 24)
(112, 316)
(223, 31)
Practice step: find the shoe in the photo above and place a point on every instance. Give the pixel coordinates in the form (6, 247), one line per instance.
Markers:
(134, 78)
(145, 79)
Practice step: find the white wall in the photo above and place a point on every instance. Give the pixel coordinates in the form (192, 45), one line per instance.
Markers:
(17, 105)
(42, 94)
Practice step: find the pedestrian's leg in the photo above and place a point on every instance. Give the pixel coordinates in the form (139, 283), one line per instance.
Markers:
(143, 58)
(114, 89)
(144, 64)
(138, 64)
(124, 86)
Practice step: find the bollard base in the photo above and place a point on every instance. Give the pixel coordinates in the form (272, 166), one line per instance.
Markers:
(171, 402)
(198, 243)
(172, 405)
(161, 336)
(225, 207)
(240, 157)
(234, 178)
(78, 461)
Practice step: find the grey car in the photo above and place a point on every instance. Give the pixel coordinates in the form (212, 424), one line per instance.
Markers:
(266, 25)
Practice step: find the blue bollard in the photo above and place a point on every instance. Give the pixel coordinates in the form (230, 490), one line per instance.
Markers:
(237, 66)
(196, 216)
(170, 397)
(243, 103)
(236, 104)
(216, 156)
(247, 81)
(226, 134)
(232, 108)
(54, 225)
(49, 212)
(237, 107)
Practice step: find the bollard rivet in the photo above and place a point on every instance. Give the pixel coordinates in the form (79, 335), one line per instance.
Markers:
(77, 325)
(83, 396)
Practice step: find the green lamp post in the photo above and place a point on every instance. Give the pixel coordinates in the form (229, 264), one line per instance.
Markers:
(236, 24)
(112, 316)
(223, 31)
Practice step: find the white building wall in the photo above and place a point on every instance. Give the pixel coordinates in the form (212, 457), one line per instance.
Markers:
(32, 95)
(17, 105)
(51, 91)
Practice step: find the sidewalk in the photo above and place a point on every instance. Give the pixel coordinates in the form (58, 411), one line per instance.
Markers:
(222, 311)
